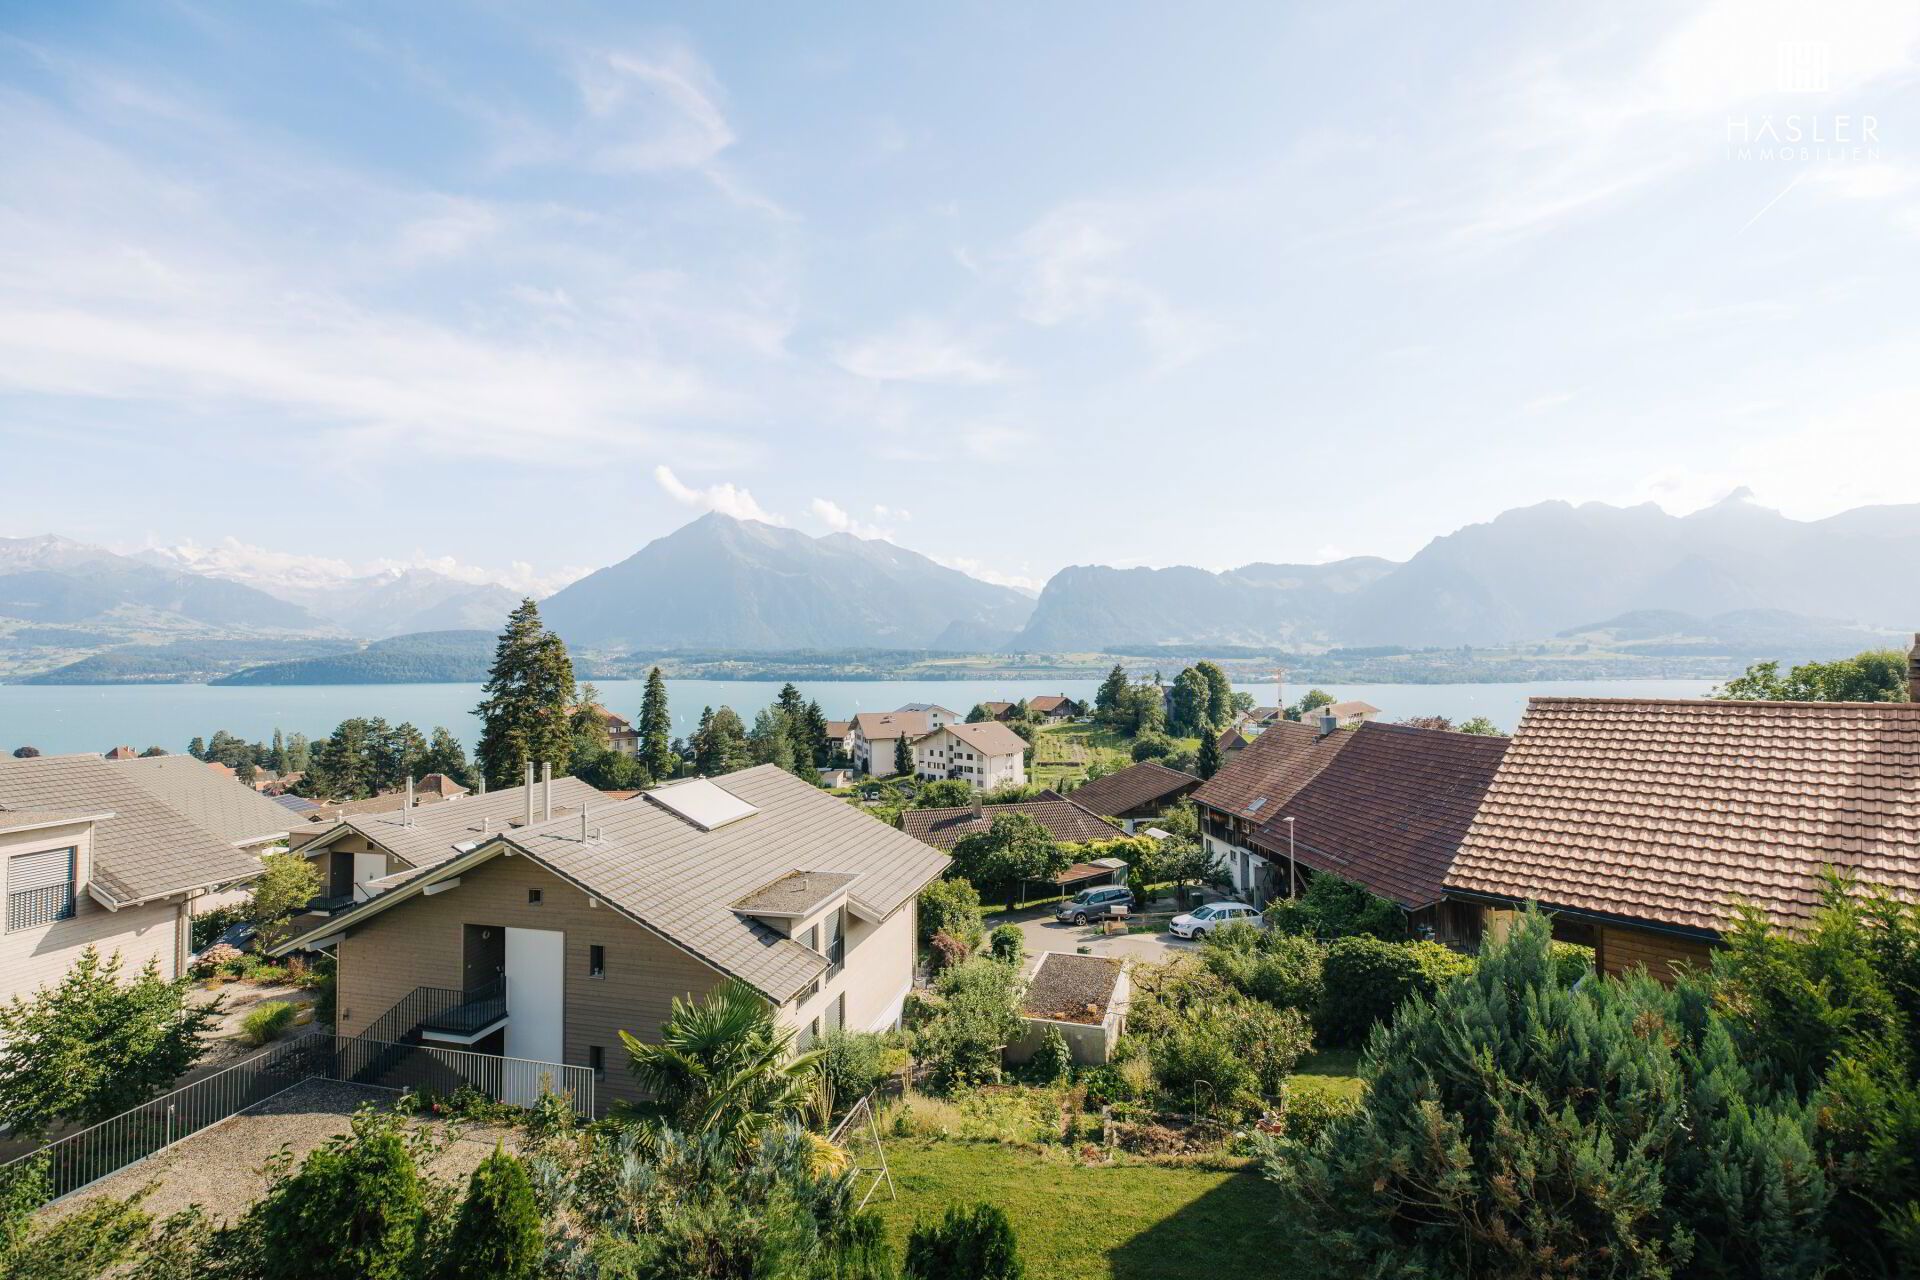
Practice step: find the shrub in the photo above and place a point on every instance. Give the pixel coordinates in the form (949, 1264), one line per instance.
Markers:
(1335, 907)
(1571, 962)
(1007, 943)
(951, 907)
(1312, 1112)
(1200, 1067)
(497, 1235)
(287, 882)
(1281, 969)
(1367, 979)
(853, 1064)
(977, 1018)
(1152, 746)
(948, 951)
(1052, 1062)
(1270, 1041)
(267, 1021)
(355, 1210)
(218, 958)
(211, 924)
(968, 1244)
(1105, 1085)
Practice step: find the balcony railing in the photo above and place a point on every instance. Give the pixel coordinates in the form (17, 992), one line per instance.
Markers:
(330, 904)
(481, 1011)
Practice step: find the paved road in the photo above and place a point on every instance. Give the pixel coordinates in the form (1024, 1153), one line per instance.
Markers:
(1043, 934)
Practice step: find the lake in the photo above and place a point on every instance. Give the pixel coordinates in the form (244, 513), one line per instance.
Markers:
(61, 719)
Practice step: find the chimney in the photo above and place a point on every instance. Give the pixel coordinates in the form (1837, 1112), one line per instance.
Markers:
(1328, 723)
(480, 784)
(546, 791)
(979, 810)
(409, 799)
(1280, 692)
(583, 824)
(1913, 670)
(529, 821)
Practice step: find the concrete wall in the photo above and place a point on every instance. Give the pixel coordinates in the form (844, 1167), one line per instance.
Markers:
(41, 955)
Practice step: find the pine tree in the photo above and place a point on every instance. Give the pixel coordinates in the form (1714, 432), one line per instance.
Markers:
(497, 1235)
(720, 746)
(278, 758)
(197, 748)
(528, 693)
(817, 740)
(902, 755)
(656, 728)
(1208, 761)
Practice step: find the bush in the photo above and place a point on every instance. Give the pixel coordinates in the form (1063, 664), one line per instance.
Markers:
(218, 958)
(853, 1064)
(1007, 943)
(968, 1244)
(1152, 746)
(1281, 969)
(1334, 907)
(951, 907)
(498, 1233)
(1312, 1112)
(356, 1210)
(1368, 979)
(1106, 1085)
(1571, 962)
(211, 924)
(948, 951)
(1052, 1062)
(1198, 1065)
(267, 1021)
(976, 1019)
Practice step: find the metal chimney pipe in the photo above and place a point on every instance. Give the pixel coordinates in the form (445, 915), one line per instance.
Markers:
(1328, 723)
(409, 799)
(546, 791)
(583, 824)
(529, 785)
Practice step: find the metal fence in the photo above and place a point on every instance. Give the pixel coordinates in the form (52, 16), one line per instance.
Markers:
(80, 1159)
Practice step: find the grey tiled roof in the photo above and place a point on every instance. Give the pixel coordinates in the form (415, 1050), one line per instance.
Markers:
(147, 849)
(1064, 820)
(230, 809)
(428, 834)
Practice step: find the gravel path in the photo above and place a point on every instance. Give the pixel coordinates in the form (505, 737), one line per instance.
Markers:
(220, 1168)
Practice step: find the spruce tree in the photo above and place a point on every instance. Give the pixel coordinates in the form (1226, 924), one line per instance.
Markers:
(529, 692)
(817, 740)
(497, 1235)
(1208, 761)
(902, 755)
(656, 728)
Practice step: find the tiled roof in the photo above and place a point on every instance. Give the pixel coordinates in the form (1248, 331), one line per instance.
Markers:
(930, 707)
(1284, 757)
(646, 862)
(1343, 710)
(1064, 820)
(147, 849)
(1049, 702)
(220, 803)
(1671, 811)
(428, 834)
(1145, 783)
(989, 738)
(838, 728)
(878, 726)
(26, 819)
(1389, 808)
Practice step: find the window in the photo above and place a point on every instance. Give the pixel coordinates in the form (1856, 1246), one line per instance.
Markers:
(836, 941)
(39, 888)
(596, 962)
(837, 1012)
(597, 1059)
(533, 897)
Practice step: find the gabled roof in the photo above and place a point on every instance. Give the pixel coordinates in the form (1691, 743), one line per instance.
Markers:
(147, 849)
(1669, 812)
(1146, 783)
(878, 726)
(1344, 710)
(1064, 820)
(1284, 756)
(34, 819)
(1049, 702)
(838, 728)
(428, 835)
(666, 874)
(220, 803)
(930, 707)
(988, 737)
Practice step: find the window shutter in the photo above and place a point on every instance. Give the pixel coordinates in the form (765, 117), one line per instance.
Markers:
(39, 870)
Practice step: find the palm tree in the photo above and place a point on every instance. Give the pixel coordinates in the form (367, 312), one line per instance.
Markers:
(723, 1068)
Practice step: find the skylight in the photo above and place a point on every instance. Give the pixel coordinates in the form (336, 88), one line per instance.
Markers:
(702, 803)
(1257, 805)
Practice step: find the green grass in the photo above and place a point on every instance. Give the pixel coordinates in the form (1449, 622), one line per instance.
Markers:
(1094, 1222)
(1330, 1071)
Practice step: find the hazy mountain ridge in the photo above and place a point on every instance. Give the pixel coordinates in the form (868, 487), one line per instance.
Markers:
(50, 579)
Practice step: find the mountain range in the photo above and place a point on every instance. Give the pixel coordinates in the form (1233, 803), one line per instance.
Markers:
(1734, 577)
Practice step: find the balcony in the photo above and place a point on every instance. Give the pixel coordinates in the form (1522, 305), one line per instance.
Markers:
(478, 1014)
(331, 905)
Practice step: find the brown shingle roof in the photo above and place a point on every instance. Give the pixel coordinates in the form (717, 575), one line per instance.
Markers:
(1048, 702)
(1064, 820)
(1134, 787)
(882, 726)
(988, 737)
(1284, 756)
(1670, 811)
(220, 803)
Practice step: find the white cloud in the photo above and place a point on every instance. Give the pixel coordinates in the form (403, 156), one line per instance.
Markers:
(837, 518)
(725, 498)
(650, 111)
(918, 352)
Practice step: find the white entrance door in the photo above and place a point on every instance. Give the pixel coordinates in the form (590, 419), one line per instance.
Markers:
(536, 979)
(367, 866)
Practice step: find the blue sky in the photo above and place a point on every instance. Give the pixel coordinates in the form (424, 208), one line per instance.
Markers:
(521, 287)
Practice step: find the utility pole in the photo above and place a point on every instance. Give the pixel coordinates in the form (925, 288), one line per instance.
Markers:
(1293, 887)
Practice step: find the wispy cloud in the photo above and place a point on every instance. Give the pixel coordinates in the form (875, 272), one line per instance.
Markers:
(975, 568)
(919, 351)
(727, 499)
(835, 517)
(238, 561)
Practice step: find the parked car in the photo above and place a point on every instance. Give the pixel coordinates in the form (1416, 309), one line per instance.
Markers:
(1201, 921)
(1095, 904)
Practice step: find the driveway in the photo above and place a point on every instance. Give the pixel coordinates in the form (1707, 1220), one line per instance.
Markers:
(1043, 933)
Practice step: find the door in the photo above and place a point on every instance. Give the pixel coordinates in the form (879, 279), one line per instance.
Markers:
(483, 955)
(340, 874)
(536, 999)
(367, 866)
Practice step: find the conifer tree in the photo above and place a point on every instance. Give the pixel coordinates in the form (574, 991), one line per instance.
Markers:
(902, 755)
(529, 692)
(817, 740)
(656, 728)
(497, 1235)
(1208, 761)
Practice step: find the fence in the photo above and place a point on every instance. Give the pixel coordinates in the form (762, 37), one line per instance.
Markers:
(80, 1159)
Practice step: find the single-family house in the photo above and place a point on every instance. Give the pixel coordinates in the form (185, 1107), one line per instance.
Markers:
(998, 710)
(1138, 793)
(937, 715)
(984, 755)
(1064, 820)
(1386, 806)
(622, 737)
(545, 942)
(875, 734)
(1055, 707)
(121, 856)
(1641, 823)
(840, 737)
(1345, 714)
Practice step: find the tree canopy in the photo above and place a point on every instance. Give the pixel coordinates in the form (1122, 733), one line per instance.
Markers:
(1875, 675)
(529, 697)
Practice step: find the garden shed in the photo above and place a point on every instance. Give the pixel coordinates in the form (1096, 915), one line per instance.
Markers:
(1084, 998)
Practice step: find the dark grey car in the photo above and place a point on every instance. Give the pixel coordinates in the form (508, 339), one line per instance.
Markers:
(1094, 904)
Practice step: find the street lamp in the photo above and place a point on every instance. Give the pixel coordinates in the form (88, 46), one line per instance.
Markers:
(1293, 887)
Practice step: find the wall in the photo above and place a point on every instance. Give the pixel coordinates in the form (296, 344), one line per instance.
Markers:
(1620, 950)
(33, 958)
(875, 978)
(418, 944)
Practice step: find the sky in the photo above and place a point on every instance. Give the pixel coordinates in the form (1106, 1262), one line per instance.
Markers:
(514, 289)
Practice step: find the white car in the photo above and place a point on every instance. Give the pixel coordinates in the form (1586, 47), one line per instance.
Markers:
(1201, 921)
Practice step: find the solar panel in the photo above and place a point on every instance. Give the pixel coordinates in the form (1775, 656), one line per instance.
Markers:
(702, 803)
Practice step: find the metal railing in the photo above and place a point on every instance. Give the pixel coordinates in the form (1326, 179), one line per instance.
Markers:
(412, 1009)
(482, 1007)
(78, 1160)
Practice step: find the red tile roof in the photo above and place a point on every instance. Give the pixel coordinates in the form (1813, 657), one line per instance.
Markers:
(1064, 820)
(1047, 702)
(1671, 811)
(1134, 787)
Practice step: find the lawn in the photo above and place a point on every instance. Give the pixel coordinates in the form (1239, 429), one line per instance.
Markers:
(1330, 1071)
(1081, 1222)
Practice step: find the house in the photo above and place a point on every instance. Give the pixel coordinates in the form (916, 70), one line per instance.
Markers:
(622, 737)
(1231, 740)
(1641, 823)
(1136, 793)
(875, 734)
(1056, 707)
(998, 710)
(1386, 806)
(937, 715)
(552, 939)
(432, 789)
(360, 848)
(1064, 820)
(840, 737)
(984, 755)
(119, 856)
(1345, 714)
